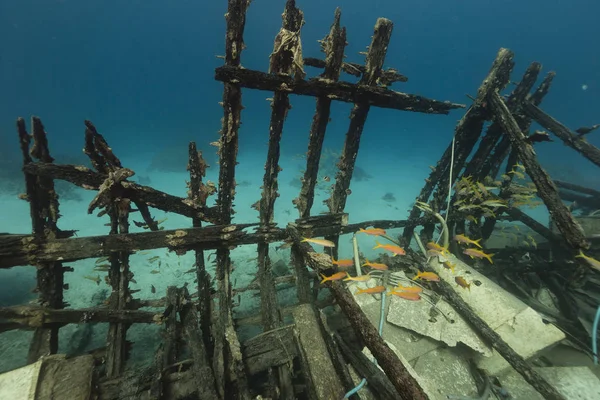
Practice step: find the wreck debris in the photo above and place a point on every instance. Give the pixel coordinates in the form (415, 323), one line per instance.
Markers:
(466, 135)
(43, 206)
(220, 365)
(571, 230)
(227, 358)
(333, 45)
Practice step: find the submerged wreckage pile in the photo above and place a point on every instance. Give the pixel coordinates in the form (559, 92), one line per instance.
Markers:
(201, 354)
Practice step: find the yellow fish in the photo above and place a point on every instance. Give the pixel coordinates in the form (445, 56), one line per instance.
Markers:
(409, 289)
(342, 263)
(373, 290)
(397, 250)
(428, 276)
(406, 295)
(435, 253)
(595, 264)
(467, 240)
(320, 242)
(436, 247)
(474, 253)
(361, 278)
(373, 231)
(462, 282)
(335, 277)
(449, 265)
(378, 266)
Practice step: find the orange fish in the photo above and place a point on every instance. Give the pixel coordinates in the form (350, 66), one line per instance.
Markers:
(406, 295)
(373, 290)
(397, 250)
(474, 253)
(466, 240)
(462, 282)
(378, 266)
(373, 231)
(409, 289)
(436, 247)
(342, 263)
(428, 276)
(320, 242)
(335, 277)
(361, 278)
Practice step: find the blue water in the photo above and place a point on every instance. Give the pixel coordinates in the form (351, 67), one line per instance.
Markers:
(143, 73)
(145, 68)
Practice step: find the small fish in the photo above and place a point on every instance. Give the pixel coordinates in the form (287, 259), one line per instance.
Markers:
(397, 250)
(584, 130)
(335, 277)
(595, 264)
(532, 241)
(102, 268)
(409, 289)
(435, 253)
(101, 260)
(320, 242)
(406, 295)
(361, 278)
(94, 279)
(373, 231)
(428, 276)
(462, 282)
(377, 266)
(467, 240)
(284, 246)
(516, 173)
(472, 219)
(469, 207)
(494, 202)
(538, 137)
(483, 189)
(152, 289)
(474, 253)
(160, 221)
(342, 263)
(326, 178)
(152, 259)
(155, 271)
(436, 247)
(449, 265)
(373, 290)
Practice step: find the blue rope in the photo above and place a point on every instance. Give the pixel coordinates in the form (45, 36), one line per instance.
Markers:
(364, 381)
(595, 336)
